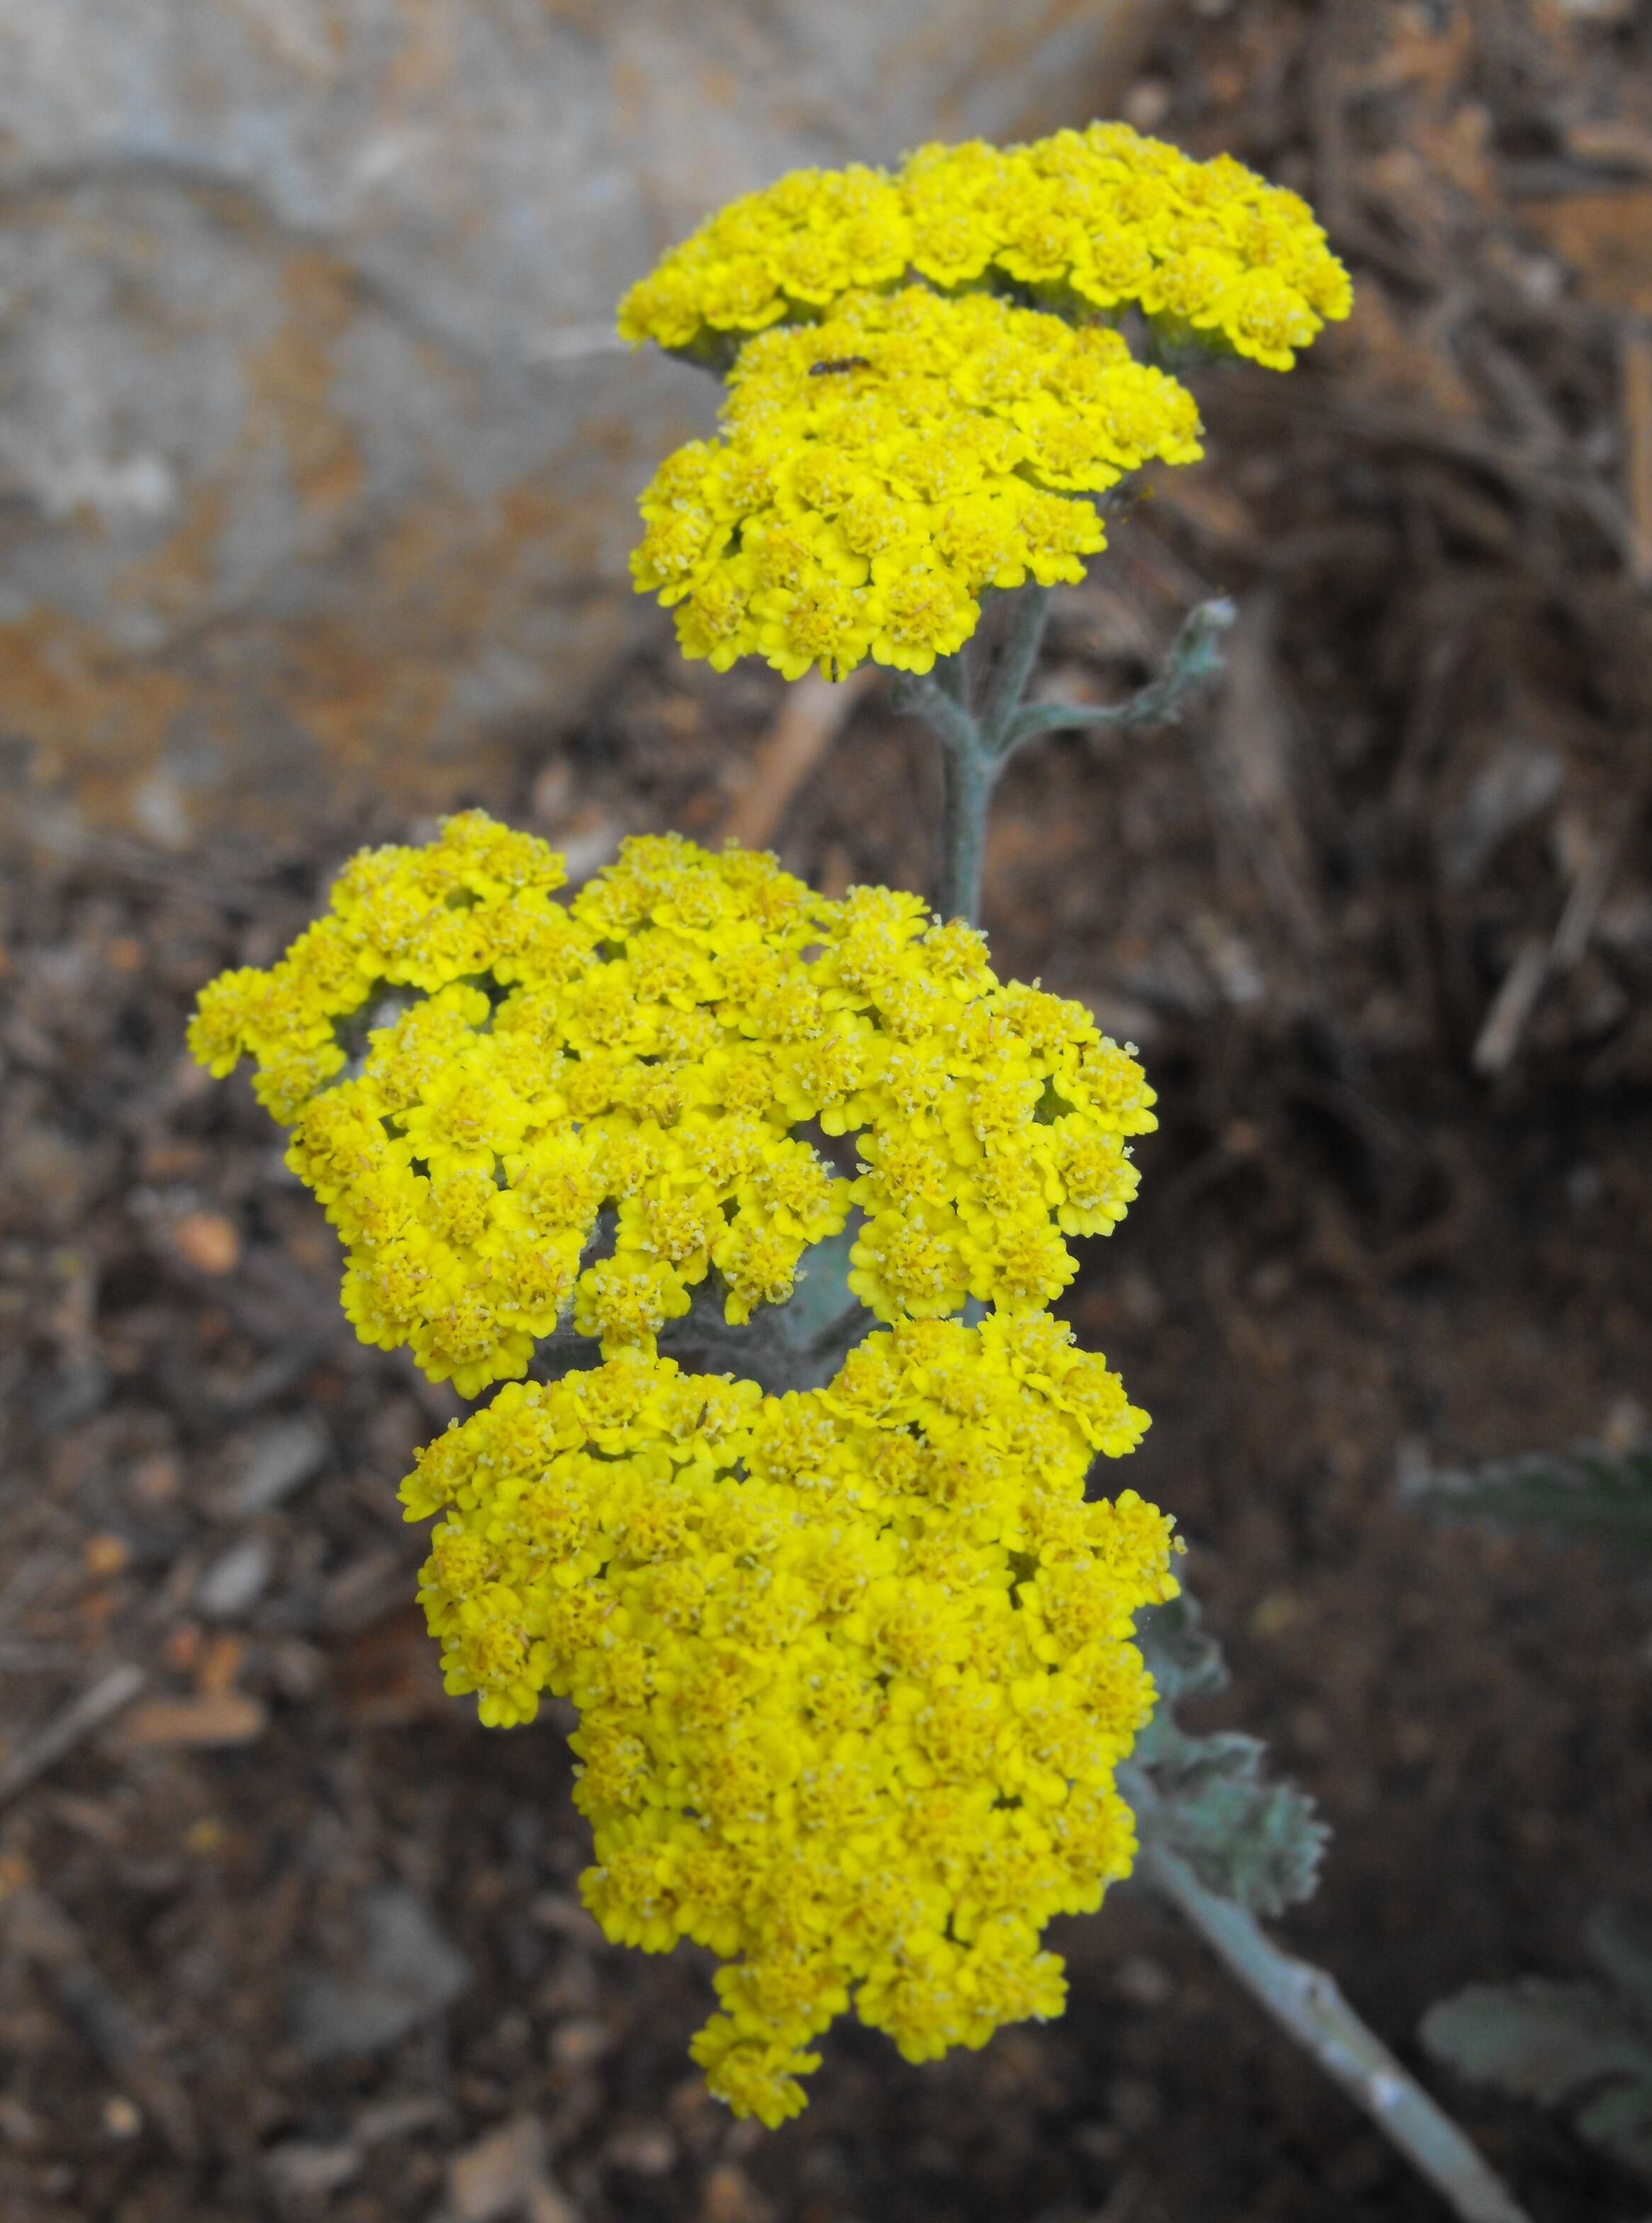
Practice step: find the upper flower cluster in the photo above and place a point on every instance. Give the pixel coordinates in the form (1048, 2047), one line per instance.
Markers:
(927, 387)
(880, 468)
(540, 1082)
(1084, 221)
(853, 1666)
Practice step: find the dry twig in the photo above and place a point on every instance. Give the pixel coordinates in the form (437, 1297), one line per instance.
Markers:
(44, 1934)
(812, 714)
(106, 1697)
(1637, 452)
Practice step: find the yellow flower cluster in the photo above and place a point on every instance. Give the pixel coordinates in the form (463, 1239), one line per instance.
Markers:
(1085, 221)
(879, 469)
(891, 448)
(637, 1073)
(853, 1666)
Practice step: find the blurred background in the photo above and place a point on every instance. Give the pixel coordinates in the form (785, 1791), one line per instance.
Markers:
(317, 474)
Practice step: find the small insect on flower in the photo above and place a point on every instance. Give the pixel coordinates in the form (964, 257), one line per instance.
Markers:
(839, 362)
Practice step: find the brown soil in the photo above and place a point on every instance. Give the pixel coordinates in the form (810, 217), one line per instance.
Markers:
(1388, 1214)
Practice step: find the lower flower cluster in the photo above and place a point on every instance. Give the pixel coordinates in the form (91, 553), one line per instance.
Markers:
(854, 1666)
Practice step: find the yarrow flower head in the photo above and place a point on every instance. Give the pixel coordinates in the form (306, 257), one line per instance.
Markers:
(520, 1113)
(926, 388)
(854, 1667)
(878, 469)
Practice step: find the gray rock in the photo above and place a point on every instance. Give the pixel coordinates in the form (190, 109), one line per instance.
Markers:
(285, 1454)
(316, 460)
(235, 1580)
(407, 1973)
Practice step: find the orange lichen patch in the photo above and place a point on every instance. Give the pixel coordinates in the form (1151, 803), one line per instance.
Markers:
(176, 580)
(362, 706)
(457, 564)
(528, 515)
(87, 705)
(375, 679)
(290, 383)
(374, 686)
(417, 549)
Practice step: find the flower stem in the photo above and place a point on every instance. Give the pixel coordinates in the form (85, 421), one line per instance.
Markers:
(1014, 667)
(968, 771)
(976, 744)
(967, 776)
(1195, 656)
(1307, 2002)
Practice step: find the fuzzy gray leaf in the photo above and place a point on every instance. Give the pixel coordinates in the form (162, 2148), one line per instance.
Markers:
(1587, 2046)
(1619, 2121)
(1619, 1942)
(1256, 1842)
(1206, 1798)
(1589, 1492)
(1184, 1660)
(1554, 2044)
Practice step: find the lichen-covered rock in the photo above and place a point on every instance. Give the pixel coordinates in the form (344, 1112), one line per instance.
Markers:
(318, 463)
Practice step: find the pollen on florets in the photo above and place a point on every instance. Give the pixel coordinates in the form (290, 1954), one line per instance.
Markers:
(582, 1113)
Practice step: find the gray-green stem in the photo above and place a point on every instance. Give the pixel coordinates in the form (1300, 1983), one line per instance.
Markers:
(976, 743)
(967, 777)
(1014, 669)
(1307, 2003)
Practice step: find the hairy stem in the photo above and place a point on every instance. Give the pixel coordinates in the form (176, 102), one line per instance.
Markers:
(967, 775)
(1195, 656)
(1308, 2004)
(974, 744)
(1014, 667)
(938, 696)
